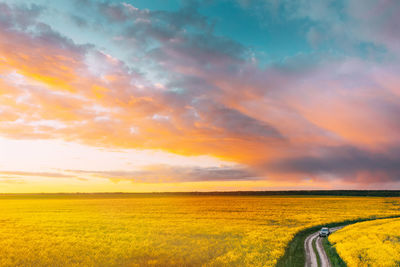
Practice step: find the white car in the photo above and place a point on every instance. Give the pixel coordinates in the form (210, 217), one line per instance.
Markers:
(324, 232)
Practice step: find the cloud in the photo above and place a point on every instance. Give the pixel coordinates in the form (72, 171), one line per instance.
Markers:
(233, 123)
(12, 181)
(173, 174)
(349, 23)
(79, 21)
(34, 174)
(190, 91)
(357, 27)
(346, 162)
(147, 174)
(21, 16)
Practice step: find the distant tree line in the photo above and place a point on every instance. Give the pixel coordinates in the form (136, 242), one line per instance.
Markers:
(371, 193)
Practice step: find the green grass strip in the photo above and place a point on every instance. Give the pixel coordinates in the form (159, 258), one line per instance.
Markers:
(295, 255)
(332, 254)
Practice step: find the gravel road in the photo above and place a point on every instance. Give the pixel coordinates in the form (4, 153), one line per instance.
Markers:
(311, 257)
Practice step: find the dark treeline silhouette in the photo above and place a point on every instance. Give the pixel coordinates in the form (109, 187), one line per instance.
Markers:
(368, 193)
(372, 193)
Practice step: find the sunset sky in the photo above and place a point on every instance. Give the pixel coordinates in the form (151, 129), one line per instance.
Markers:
(169, 95)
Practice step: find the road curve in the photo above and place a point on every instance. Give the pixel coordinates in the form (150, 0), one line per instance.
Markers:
(311, 257)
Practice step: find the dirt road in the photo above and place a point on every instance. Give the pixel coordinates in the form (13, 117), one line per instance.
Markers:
(311, 256)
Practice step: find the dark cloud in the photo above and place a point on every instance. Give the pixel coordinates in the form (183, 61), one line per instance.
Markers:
(19, 16)
(45, 35)
(205, 52)
(233, 123)
(114, 12)
(79, 21)
(184, 32)
(187, 15)
(346, 162)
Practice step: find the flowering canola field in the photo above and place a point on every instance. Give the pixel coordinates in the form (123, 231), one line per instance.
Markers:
(373, 243)
(154, 230)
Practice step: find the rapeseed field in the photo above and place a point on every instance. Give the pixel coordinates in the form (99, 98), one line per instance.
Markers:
(157, 230)
(373, 243)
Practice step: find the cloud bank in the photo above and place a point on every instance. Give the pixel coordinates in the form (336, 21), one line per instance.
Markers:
(184, 88)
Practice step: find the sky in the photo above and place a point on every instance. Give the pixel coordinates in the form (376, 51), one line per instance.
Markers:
(187, 95)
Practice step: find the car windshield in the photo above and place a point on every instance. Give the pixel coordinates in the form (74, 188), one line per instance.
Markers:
(324, 229)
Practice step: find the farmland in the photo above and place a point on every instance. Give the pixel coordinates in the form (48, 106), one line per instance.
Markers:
(373, 243)
(152, 230)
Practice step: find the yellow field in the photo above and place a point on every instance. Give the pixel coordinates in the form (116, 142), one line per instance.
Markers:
(374, 243)
(129, 230)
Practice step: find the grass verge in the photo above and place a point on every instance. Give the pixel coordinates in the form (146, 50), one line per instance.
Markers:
(332, 254)
(294, 255)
